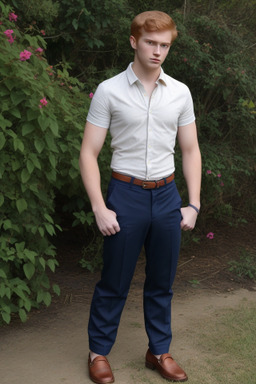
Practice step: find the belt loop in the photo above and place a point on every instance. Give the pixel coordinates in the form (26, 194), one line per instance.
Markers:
(132, 179)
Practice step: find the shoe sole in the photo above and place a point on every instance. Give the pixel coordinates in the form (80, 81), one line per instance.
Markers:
(153, 367)
(101, 382)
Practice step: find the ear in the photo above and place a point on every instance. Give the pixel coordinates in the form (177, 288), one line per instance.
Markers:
(133, 42)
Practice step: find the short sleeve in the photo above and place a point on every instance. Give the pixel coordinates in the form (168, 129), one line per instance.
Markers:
(99, 112)
(187, 115)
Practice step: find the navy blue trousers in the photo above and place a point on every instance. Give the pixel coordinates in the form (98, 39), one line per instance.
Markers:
(150, 218)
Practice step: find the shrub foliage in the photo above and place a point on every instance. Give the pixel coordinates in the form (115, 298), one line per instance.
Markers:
(41, 128)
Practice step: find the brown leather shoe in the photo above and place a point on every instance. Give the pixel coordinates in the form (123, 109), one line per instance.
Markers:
(166, 366)
(100, 371)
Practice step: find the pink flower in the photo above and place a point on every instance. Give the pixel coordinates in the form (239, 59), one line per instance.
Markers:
(12, 17)
(43, 102)
(40, 50)
(219, 175)
(91, 95)
(42, 32)
(208, 172)
(25, 55)
(210, 235)
(8, 33)
(222, 184)
(11, 40)
(185, 59)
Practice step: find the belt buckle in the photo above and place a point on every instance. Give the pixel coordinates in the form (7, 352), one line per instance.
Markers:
(145, 185)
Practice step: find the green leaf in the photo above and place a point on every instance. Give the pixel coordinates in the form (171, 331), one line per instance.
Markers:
(51, 176)
(18, 144)
(47, 298)
(54, 127)
(21, 205)
(56, 289)
(27, 305)
(41, 231)
(1, 199)
(7, 224)
(19, 292)
(73, 173)
(6, 317)
(29, 270)
(43, 122)
(8, 292)
(15, 165)
(52, 160)
(31, 255)
(51, 143)
(48, 218)
(39, 145)
(51, 264)
(32, 115)
(2, 290)
(3, 274)
(17, 97)
(15, 112)
(2, 140)
(35, 160)
(10, 84)
(75, 24)
(42, 262)
(25, 176)
(5, 123)
(27, 128)
(50, 229)
(23, 315)
(40, 296)
(30, 166)
(20, 247)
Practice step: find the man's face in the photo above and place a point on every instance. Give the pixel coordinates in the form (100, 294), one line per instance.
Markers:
(151, 48)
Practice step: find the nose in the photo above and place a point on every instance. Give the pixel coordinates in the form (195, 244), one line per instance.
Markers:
(157, 50)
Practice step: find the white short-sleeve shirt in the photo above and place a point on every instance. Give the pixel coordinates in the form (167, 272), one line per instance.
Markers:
(143, 129)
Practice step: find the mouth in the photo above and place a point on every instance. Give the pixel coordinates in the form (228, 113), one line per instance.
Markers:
(155, 60)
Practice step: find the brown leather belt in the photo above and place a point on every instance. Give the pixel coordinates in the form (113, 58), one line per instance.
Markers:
(142, 183)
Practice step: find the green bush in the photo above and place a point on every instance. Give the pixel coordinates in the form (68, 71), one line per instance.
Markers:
(222, 81)
(41, 130)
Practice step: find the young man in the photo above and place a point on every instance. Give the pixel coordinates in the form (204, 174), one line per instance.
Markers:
(145, 110)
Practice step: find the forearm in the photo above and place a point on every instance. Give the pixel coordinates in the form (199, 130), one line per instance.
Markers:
(91, 179)
(191, 163)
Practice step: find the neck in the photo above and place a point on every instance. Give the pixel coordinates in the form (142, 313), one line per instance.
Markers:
(146, 75)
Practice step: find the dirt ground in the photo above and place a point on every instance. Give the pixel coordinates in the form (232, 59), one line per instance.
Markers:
(52, 347)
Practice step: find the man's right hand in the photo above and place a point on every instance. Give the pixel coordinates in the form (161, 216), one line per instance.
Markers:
(107, 222)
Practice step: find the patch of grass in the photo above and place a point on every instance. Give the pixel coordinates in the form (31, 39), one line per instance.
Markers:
(227, 350)
(194, 282)
(246, 266)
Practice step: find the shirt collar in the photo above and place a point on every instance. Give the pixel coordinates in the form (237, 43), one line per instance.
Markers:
(132, 78)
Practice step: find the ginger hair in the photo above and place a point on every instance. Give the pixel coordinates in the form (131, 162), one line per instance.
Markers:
(152, 21)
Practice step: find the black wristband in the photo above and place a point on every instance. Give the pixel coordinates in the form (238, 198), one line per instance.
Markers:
(195, 208)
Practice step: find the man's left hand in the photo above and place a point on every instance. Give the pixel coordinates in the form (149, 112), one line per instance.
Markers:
(189, 216)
